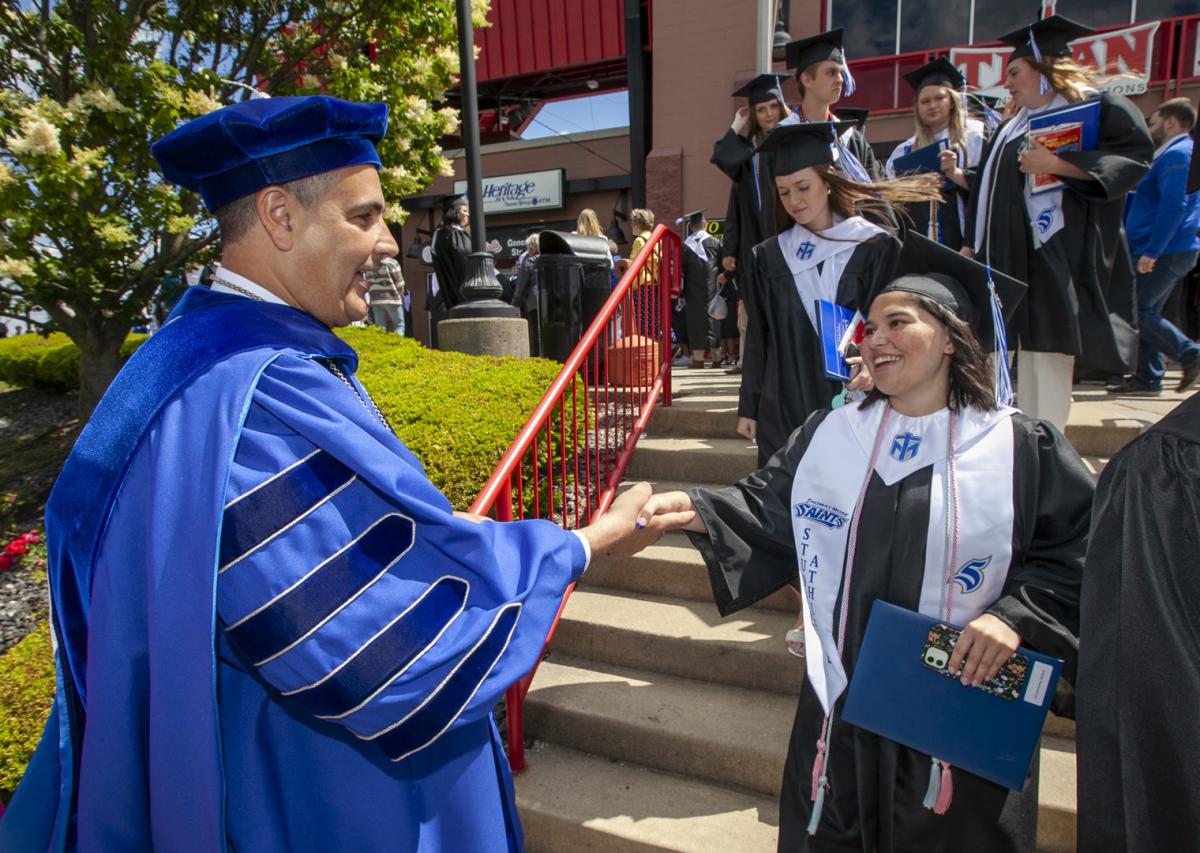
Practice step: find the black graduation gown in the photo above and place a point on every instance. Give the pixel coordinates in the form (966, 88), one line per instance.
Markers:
(450, 253)
(1081, 298)
(950, 226)
(877, 785)
(857, 145)
(1139, 682)
(750, 215)
(783, 372)
(699, 286)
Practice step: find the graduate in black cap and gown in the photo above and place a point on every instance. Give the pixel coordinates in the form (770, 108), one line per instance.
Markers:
(701, 260)
(939, 113)
(823, 78)
(1139, 686)
(1068, 243)
(827, 250)
(750, 215)
(450, 247)
(1001, 557)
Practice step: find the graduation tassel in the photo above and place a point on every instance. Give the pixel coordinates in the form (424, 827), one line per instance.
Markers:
(946, 794)
(848, 85)
(820, 780)
(934, 790)
(1003, 377)
(1043, 83)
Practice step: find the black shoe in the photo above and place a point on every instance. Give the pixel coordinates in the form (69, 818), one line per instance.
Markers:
(1133, 388)
(1191, 372)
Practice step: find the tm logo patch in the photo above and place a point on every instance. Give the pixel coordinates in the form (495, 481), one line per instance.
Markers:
(905, 446)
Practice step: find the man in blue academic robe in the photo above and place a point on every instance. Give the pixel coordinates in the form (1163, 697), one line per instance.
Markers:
(273, 631)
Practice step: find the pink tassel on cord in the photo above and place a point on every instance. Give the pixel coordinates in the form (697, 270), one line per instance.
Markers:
(818, 769)
(946, 794)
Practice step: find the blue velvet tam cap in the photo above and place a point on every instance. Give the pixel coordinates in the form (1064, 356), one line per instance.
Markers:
(239, 149)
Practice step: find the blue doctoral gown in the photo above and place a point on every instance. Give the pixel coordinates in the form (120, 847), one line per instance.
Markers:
(272, 632)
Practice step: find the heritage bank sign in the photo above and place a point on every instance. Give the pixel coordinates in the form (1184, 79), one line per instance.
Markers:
(1127, 53)
(526, 191)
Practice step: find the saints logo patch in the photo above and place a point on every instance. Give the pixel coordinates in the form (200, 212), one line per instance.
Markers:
(905, 446)
(829, 516)
(970, 577)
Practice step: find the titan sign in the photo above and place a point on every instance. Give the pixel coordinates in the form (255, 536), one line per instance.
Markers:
(1126, 54)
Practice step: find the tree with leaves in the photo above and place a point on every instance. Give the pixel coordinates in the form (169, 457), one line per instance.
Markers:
(88, 227)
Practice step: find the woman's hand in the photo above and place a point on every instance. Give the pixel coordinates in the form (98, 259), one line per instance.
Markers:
(982, 649)
(967, 252)
(747, 427)
(949, 165)
(860, 379)
(620, 531)
(741, 121)
(1037, 160)
(670, 511)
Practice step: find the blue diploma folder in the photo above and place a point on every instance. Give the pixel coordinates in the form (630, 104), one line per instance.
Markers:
(927, 159)
(834, 320)
(894, 693)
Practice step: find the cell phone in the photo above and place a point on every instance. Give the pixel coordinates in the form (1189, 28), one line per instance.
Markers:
(1007, 684)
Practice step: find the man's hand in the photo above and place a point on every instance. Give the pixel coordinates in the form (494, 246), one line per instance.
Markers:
(617, 532)
(1145, 265)
(670, 511)
(741, 121)
(747, 427)
(730, 263)
(982, 649)
(470, 516)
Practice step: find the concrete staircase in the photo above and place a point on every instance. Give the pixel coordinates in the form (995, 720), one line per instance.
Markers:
(660, 726)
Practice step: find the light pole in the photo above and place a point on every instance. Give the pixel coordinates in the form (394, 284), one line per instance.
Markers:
(481, 290)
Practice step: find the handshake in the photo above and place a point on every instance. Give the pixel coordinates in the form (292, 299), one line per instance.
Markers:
(638, 519)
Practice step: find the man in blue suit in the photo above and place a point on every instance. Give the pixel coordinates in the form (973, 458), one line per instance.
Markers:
(1162, 225)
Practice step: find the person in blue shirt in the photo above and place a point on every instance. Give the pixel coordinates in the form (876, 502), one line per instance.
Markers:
(1162, 225)
(273, 632)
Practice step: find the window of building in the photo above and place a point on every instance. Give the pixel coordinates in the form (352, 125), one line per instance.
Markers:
(1097, 13)
(1149, 10)
(928, 24)
(870, 26)
(579, 114)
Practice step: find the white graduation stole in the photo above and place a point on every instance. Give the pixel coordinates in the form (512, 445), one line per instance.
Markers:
(695, 242)
(803, 250)
(825, 494)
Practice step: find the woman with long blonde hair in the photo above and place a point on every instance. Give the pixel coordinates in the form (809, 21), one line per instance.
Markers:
(939, 115)
(825, 249)
(1067, 242)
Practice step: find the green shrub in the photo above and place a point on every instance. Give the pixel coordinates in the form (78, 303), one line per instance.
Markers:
(26, 694)
(50, 363)
(457, 413)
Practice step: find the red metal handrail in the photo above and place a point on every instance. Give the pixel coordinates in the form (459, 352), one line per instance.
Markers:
(623, 364)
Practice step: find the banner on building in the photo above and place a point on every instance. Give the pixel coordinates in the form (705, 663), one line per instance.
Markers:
(525, 191)
(1128, 54)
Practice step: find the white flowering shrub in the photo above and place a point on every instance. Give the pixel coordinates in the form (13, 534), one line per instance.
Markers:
(88, 228)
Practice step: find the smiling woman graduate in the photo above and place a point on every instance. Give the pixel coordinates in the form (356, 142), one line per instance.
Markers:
(927, 477)
(825, 250)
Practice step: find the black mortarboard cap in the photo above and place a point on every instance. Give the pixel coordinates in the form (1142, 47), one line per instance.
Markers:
(764, 87)
(961, 284)
(856, 115)
(694, 218)
(822, 47)
(940, 72)
(793, 147)
(1052, 34)
(450, 202)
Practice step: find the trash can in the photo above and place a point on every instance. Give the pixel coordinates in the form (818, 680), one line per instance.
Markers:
(574, 283)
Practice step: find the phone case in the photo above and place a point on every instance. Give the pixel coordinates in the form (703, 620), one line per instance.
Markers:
(939, 646)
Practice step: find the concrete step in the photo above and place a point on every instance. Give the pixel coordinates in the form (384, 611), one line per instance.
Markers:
(671, 568)
(570, 801)
(681, 726)
(662, 721)
(682, 638)
(699, 460)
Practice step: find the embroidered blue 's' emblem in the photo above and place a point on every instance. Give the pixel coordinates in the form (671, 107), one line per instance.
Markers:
(970, 576)
(1045, 220)
(830, 516)
(806, 249)
(905, 446)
